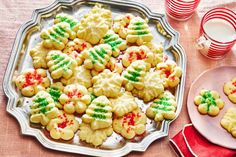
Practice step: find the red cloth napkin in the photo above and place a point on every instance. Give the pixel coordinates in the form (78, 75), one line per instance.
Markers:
(190, 143)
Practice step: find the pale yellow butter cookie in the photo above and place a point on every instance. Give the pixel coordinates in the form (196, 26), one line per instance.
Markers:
(43, 108)
(209, 102)
(75, 98)
(63, 126)
(30, 81)
(131, 124)
(228, 122)
(230, 90)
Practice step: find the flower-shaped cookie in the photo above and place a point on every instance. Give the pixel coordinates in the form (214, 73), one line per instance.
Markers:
(97, 57)
(134, 53)
(74, 24)
(99, 113)
(63, 126)
(209, 102)
(31, 81)
(170, 73)
(75, 98)
(95, 24)
(121, 23)
(153, 87)
(157, 52)
(115, 42)
(228, 122)
(131, 124)
(74, 49)
(107, 83)
(43, 108)
(230, 90)
(38, 54)
(57, 36)
(123, 104)
(55, 90)
(114, 65)
(94, 137)
(60, 64)
(81, 76)
(138, 31)
(134, 75)
(162, 108)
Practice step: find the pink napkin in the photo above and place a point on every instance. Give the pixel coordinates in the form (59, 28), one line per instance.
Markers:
(190, 143)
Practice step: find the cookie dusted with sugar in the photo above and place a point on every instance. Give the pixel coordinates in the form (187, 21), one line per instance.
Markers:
(81, 76)
(62, 17)
(107, 83)
(230, 90)
(138, 31)
(97, 57)
(43, 108)
(134, 75)
(63, 126)
(162, 108)
(56, 36)
(209, 102)
(228, 122)
(75, 98)
(30, 81)
(123, 104)
(38, 54)
(94, 137)
(131, 124)
(152, 87)
(117, 44)
(99, 113)
(134, 53)
(121, 23)
(60, 64)
(170, 73)
(94, 25)
(74, 49)
(55, 90)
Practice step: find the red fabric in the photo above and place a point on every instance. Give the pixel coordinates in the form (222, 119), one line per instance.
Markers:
(192, 143)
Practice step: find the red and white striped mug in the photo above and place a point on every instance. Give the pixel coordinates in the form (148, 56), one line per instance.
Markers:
(181, 9)
(217, 33)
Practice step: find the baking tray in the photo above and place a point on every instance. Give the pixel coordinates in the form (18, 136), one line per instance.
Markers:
(29, 35)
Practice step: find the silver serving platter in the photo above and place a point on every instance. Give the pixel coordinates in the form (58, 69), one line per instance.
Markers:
(28, 36)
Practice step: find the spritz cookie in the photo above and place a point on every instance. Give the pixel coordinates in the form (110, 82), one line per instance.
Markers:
(30, 81)
(75, 98)
(230, 90)
(162, 108)
(94, 137)
(99, 113)
(97, 57)
(138, 31)
(228, 122)
(43, 108)
(74, 49)
(170, 73)
(63, 126)
(94, 25)
(158, 50)
(107, 83)
(81, 76)
(124, 104)
(153, 87)
(209, 102)
(117, 44)
(121, 23)
(131, 124)
(57, 36)
(114, 65)
(38, 54)
(134, 53)
(60, 65)
(134, 75)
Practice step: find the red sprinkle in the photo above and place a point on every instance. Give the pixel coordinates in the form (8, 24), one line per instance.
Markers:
(167, 73)
(75, 92)
(129, 118)
(140, 55)
(83, 46)
(234, 83)
(234, 91)
(126, 26)
(32, 79)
